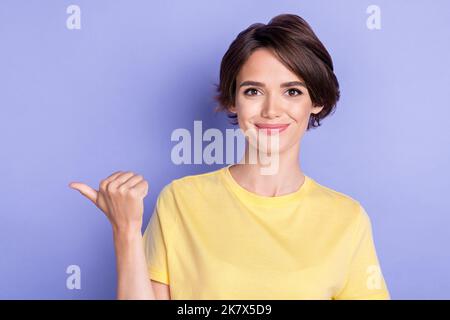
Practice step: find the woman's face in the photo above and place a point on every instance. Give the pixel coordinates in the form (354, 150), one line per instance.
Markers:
(268, 93)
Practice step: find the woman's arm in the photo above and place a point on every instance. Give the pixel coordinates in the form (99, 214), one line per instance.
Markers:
(161, 290)
(132, 276)
(121, 198)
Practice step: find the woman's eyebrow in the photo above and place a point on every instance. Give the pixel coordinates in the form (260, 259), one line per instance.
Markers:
(283, 85)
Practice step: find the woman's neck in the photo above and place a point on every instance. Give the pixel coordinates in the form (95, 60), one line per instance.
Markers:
(288, 177)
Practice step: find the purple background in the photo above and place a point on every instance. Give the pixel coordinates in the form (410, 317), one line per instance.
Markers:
(76, 105)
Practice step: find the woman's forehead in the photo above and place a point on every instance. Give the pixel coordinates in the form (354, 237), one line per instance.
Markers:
(263, 64)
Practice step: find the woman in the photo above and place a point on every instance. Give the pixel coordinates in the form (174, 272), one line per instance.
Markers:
(236, 233)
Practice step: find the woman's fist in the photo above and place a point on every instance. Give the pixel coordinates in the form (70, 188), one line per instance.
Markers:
(120, 197)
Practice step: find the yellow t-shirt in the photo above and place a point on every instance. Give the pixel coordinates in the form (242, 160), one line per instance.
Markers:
(210, 238)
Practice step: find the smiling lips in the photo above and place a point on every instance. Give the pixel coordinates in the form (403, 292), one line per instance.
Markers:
(272, 128)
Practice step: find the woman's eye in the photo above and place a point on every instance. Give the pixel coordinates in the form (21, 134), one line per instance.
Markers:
(251, 92)
(294, 92)
(254, 92)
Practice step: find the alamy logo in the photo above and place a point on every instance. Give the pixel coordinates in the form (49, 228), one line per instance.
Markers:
(375, 277)
(373, 21)
(74, 279)
(263, 147)
(74, 20)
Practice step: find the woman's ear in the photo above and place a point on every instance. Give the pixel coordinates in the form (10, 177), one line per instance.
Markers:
(317, 109)
(232, 109)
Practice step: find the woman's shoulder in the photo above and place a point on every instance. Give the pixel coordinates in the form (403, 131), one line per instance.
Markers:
(190, 183)
(335, 201)
(326, 192)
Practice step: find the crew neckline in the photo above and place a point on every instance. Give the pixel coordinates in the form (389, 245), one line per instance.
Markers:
(258, 199)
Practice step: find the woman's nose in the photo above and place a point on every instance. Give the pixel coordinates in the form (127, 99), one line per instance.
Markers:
(271, 109)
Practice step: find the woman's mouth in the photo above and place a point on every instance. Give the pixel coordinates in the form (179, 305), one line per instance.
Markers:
(272, 128)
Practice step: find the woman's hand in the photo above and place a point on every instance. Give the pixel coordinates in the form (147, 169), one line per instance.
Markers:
(120, 197)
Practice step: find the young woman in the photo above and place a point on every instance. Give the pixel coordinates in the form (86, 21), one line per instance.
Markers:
(236, 233)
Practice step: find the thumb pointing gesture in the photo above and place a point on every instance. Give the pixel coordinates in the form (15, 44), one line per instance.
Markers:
(85, 190)
(94, 195)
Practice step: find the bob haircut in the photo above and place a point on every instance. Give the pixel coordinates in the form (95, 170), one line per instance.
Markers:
(295, 44)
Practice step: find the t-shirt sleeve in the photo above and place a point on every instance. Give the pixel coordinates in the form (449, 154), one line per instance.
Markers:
(365, 280)
(157, 236)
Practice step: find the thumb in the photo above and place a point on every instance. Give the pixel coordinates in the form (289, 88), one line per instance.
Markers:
(85, 190)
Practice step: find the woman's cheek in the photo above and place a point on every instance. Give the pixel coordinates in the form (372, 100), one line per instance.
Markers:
(300, 112)
(249, 109)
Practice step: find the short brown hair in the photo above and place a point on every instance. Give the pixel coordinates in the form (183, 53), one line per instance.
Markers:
(295, 44)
